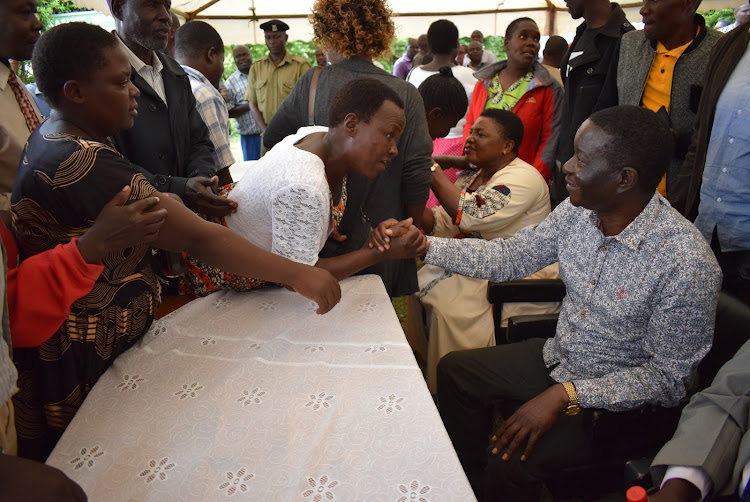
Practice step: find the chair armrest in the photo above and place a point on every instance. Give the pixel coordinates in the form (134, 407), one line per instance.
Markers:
(524, 327)
(526, 290)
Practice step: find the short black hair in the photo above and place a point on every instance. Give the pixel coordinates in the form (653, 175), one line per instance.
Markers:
(511, 29)
(444, 91)
(639, 139)
(363, 97)
(442, 37)
(196, 37)
(556, 47)
(55, 61)
(509, 122)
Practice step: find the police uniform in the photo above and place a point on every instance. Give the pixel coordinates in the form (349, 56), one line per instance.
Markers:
(269, 84)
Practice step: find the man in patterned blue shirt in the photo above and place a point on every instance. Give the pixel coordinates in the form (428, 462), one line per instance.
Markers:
(239, 108)
(200, 51)
(642, 286)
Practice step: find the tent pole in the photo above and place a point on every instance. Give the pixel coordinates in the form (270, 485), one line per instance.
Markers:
(551, 16)
(255, 21)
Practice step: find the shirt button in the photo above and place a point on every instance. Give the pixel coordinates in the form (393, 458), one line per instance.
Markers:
(603, 248)
(739, 112)
(718, 199)
(723, 169)
(731, 140)
(593, 283)
(152, 107)
(162, 156)
(590, 71)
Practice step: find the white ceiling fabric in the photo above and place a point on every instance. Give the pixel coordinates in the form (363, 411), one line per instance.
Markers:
(235, 22)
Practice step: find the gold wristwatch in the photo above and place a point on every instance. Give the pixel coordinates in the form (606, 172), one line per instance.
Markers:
(574, 406)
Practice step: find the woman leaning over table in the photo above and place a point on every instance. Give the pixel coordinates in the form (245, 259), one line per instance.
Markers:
(501, 196)
(521, 84)
(361, 31)
(69, 171)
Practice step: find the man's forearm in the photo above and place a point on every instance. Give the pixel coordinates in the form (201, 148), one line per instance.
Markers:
(257, 116)
(239, 110)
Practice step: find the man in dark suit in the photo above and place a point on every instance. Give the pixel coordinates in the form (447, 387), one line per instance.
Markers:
(169, 140)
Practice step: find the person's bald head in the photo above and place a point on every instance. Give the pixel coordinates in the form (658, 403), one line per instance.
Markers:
(478, 36)
(554, 51)
(243, 60)
(475, 52)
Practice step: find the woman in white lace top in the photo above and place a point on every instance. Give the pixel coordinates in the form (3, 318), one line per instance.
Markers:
(289, 201)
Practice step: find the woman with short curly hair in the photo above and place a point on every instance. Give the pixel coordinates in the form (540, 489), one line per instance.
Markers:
(361, 30)
(353, 28)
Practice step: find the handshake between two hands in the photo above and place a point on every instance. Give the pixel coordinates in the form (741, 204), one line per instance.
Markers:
(398, 239)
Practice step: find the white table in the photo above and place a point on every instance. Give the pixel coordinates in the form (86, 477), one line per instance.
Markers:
(252, 396)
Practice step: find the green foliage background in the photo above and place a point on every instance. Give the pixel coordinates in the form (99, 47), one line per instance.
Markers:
(714, 16)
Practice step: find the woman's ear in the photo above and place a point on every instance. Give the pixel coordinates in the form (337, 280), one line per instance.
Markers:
(73, 91)
(510, 145)
(351, 124)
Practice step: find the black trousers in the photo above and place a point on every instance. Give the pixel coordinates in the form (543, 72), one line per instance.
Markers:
(471, 385)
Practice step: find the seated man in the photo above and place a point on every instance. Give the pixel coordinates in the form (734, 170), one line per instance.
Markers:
(642, 286)
(710, 451)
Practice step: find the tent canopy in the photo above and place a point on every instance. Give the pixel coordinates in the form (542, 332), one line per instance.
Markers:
(238, 20)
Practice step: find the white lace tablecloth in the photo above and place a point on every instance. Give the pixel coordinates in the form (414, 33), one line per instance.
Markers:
(252, 396)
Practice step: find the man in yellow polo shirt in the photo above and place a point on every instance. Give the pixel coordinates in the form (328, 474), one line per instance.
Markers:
(663, 66)
(272, 78)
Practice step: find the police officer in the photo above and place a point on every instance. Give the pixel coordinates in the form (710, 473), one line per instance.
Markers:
(272, 78)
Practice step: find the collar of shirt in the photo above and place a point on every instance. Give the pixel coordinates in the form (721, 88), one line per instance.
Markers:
(286, 60)
(137, 63)
(639, 228)
(676, 52)
(196, 75)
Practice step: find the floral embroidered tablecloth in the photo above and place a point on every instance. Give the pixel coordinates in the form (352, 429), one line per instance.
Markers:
(252, 396)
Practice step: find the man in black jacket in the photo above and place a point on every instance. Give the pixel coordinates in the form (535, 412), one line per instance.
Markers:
(584, 71)
(169, 140)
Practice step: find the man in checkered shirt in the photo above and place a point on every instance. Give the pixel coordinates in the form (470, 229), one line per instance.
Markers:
(239, 108)
(200, 51)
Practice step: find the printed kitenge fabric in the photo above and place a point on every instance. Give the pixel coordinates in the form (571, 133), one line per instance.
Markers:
(63, 184)
(507, 99)
(202, 279)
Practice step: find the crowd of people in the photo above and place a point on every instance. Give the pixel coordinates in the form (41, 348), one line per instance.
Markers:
(613, 163)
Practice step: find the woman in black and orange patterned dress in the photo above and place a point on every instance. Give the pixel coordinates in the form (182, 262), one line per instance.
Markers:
(68, 173)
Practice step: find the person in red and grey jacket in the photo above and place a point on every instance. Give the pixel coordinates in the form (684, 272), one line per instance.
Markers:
(525, 87)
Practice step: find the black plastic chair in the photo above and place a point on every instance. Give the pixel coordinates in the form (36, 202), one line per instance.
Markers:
(624, 443)
(524, 290)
